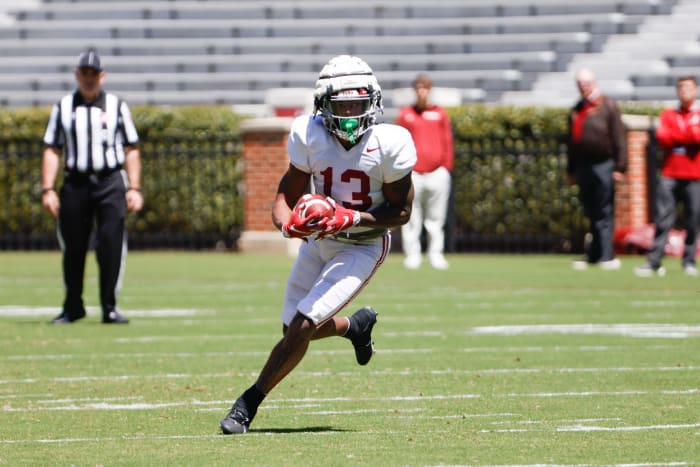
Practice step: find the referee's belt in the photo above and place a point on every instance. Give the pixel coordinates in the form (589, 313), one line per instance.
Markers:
(101, 175)
(359, 237)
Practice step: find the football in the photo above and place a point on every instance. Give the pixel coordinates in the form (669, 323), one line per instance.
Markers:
(314, 208)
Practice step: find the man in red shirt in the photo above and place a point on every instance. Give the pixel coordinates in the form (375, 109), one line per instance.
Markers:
(678, 134)
(430, 127)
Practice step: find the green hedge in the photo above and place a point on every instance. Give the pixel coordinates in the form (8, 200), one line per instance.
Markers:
(508, 178)
(191, 177)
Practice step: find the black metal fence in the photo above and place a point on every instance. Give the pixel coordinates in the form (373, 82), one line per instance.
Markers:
(191, 190)
(508, 196)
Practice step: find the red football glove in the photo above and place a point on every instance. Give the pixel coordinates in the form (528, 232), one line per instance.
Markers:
(296, 227)
(342, 219)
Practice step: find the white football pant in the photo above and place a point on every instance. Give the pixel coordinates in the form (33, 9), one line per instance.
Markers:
(328, 274)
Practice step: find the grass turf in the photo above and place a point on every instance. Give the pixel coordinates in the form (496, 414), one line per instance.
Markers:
(502, 360)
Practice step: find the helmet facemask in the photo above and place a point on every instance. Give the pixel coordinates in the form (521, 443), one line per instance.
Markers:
(348, 97)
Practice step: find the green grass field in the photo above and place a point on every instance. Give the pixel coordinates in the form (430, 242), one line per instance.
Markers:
(502, 360)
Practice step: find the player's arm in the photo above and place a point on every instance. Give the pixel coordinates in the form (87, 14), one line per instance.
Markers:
(396, 209)
(292, 186)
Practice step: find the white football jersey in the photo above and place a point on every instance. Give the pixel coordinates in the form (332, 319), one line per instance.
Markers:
(352, 177)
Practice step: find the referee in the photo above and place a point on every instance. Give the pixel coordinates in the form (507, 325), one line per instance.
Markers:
(96, 136)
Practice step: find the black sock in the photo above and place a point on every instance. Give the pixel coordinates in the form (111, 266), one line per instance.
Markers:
(352, 328)
(251, 399)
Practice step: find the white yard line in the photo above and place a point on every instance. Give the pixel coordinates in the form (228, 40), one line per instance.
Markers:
(219, 437)
(28, 311)
(565, 429)
(86, 399)
(566, 348)
(644, 464)
(646, 330)
(124, 404)
(386, 351)
(320, 374)
(151, 339)
(584, 428)
(364, 411)
(24, 396)
(111, 356)
(578, 421)
(103, 439)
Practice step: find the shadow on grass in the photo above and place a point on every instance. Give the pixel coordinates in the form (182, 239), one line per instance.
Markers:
(308, 429)
(79, 323)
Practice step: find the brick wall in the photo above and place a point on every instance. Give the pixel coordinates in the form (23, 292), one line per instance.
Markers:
(265, 158)
(631, 198)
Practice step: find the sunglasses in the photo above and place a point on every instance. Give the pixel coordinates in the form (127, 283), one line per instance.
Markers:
(88, 72)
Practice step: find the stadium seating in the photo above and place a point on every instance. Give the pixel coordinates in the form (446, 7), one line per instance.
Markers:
(638, 67)
(170, 52)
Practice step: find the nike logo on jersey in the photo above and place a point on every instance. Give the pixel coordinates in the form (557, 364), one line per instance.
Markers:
(372, 149)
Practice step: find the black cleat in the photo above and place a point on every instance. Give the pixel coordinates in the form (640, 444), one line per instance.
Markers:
(365, 319)
(66, 318)
(236, 422)
(114, 317)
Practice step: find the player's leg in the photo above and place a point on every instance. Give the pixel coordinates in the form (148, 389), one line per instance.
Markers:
(290, 349)
(111, 243)
(285, 356)
(350, 269)
(345, 270)
(326, 276)
(74, 227)
(357, 328)
(336, 326)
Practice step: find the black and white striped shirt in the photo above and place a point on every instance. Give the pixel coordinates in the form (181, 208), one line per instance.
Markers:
(92, 135)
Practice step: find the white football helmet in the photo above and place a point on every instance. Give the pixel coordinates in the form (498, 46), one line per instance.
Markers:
(347, 81)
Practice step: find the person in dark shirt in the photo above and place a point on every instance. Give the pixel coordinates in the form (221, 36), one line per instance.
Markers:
(597, 159)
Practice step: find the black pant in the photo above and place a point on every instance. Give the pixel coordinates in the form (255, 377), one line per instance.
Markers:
(84, 200)
(670, 192)
(597, 191)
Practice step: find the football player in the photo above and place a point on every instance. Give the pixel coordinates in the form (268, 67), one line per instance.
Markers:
(364, 169)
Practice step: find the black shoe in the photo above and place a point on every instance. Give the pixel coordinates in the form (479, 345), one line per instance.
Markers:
(364, 318)
(236, 422)
(114, 317)
(65, 318)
